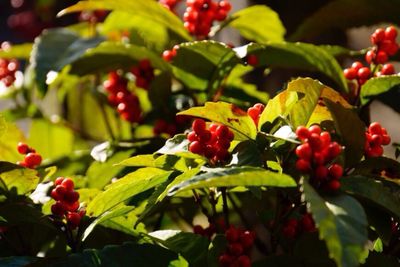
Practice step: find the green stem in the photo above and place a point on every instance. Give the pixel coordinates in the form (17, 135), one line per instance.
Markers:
(225, 207)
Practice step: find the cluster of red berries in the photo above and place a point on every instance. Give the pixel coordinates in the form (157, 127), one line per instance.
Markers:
(168, 55)
(206, 232)
(239, 244)
(125, 101)
(8, 68)
(316, 154)
(67, 202)
(385, 45)
(32, 159)
(384, 41)
(144, 74)
(375, 137)
(255, 112)
(169, 4)
(293, 227)
(212, 143)
(201, 14)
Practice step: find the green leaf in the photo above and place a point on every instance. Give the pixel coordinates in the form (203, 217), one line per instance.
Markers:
(109, 55)
(100, 174)
(344, 14)
(151, 10)
(247, 153)
(379, 259)
(143, 31)
(300, 56)
(21, 51)
(44, 130)
(375, 166)
(227, 114)
(191, 246)
(21, 180)
(280, 106)
(46, 55)
(217, 247)
(10, 136)
(305, 109)
(232, 177)
(143, 255)
(258, 23)
(376, 87)
(125, 188)
(204, 65)
(372, 190)
(342, 223)
(351, 130)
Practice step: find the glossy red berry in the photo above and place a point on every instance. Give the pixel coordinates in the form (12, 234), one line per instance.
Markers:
(381, 57)
(73, 219)
(336, 171)
(370, 56)
(302, 133)
(198, 126)
(196, 147)
(304, 151)
(68, 184)
(334, 185)
(364, 73)
(303, 165)
(244, 261)
(33, 160)
(58, 180)
(375, 128)
(357, 65)
(390, 33)
(58, 209)
(387, 69)
(350, 73)
(235, 249)
(252, 60)
(23, 148)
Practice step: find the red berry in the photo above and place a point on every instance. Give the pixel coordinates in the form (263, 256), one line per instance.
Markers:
(71, 196)
(58, 180)
(381, 57)
(72, 207)
(387, 69)
(23, 148)
(232, 235)
(192, 136)
(235, 249)
(357, 65)
(302, 132)
(33, 160)
(364, 73)
(350, 73)
(252, 60)
(378, 36)
(336, 171)
(247, 239)
(168, 55)
(334, 150)
(315, 142)
(334, 185)
(222, 132)
(304, 151)
(325, 139)
(303, 165)
(386, 139)
(376, 139)
(68, 184)
(58, 208)
(289, 231)
(225, 260)
(315, 129)
(244, 261)
(375, 128)
(198, 126)
(196, 147)
(73, 219)
(390, 33)
(198, 229)
(370, 56)
(204, 136)
(307, 223)
(55, 195)
(321, 173)
(319, 158)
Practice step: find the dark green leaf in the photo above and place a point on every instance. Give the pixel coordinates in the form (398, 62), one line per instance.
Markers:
(379, 259)
(16, 261)
(343, 14)
(217, 247)
(300, 56)
(373, 191)
(258, 23)
(247, 153)
(191, 246)
(151, 10)
(109, 55)
(55, 49)
(227, 114)
(144, 255)
(232, 177)
(204, 65)
(342, 223)
(351, 130)
(374, 166)
(377, 87)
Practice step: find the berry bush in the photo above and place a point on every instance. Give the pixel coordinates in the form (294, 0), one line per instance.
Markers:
(136, 137)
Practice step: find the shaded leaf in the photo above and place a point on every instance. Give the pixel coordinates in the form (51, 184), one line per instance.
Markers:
(351, 130)
(377, 87)
(373, 191)
(342, 223)
(232, 177)
(300, 56)
(353, 13)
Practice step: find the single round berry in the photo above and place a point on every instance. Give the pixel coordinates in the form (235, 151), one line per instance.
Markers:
(370, 56)
(357, 65)
(196, 147)
(321, 173)
(375, 128)
(302, 132)
(23, 148)
(252, 60)
(303, 165)
(364, 73)
(33, 160)
(336, 171)
(58, 180)
(350, 73)
(198, 126)
(73, 219)
(390, 33)
(387, 69)
(68, 184)
(334, 185)
(381, 57)
(304, 151)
